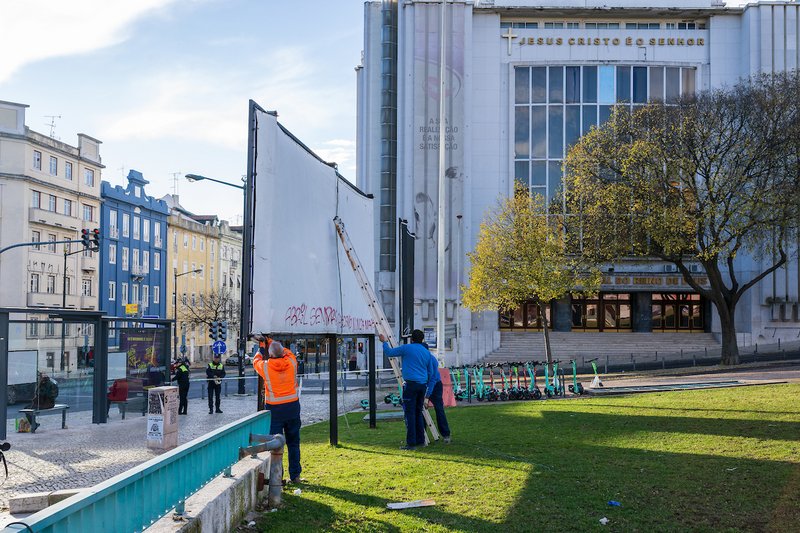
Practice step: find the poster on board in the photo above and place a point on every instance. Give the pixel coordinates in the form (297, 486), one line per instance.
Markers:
(302, 280)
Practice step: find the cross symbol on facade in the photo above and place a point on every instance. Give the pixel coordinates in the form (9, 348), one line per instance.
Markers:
(510, 36)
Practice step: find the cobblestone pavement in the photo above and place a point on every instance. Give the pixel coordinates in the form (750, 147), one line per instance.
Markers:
(85, 454)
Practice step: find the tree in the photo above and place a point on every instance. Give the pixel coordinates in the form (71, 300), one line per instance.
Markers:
(522, 254)
(216, 306)
(711, 179)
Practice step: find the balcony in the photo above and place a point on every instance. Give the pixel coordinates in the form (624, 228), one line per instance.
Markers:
(138, 271)
(89, 303)
(44, 299)
(89, 264)
(51, 218)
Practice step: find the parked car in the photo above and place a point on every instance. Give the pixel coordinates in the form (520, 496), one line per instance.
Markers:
(234, 360)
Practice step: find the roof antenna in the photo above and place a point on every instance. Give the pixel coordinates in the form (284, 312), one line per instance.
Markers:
(52, 125)
(175, 181)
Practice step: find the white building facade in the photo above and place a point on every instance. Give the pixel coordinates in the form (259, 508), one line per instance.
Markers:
(523, 81)
(49, 192)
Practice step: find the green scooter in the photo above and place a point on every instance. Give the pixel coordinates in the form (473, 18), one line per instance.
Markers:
(576, 387)
(553, 386)
(596, 383)
(533, 387)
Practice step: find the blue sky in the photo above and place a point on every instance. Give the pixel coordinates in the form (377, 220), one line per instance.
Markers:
(164, 84)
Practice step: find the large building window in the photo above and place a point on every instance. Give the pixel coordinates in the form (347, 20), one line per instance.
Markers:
(68, 170)
(555, 105)
(126, 223)
(88, 177)
(37, 160)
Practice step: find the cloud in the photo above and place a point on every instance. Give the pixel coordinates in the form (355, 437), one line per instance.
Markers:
(39, 29)
(209, 104)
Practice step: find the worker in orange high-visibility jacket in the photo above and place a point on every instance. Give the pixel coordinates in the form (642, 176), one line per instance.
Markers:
(277, 366)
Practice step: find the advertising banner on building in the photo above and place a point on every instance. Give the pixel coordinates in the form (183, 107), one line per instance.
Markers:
(428, 133)
(303, 282)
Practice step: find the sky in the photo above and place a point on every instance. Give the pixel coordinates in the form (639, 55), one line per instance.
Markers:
(165, 84)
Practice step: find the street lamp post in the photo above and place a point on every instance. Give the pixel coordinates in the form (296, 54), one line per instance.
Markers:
(245, 294)
(175, 306)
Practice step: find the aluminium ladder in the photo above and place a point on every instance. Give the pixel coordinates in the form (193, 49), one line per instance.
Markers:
(381, 322)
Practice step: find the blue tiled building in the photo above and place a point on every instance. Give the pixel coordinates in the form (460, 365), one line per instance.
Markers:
(134, 265)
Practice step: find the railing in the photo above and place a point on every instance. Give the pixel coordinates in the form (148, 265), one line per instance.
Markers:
(135, 499)
(113, 232)
(157, 242)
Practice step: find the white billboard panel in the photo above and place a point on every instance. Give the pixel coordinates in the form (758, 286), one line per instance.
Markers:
(302, 279)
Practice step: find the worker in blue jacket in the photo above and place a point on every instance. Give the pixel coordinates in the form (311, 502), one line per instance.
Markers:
(417, 387)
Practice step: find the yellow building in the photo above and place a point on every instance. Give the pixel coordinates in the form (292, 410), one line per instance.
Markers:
(192, 254)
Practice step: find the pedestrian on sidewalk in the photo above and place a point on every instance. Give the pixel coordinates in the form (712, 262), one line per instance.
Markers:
(277, 366)
(214, 372)
(418, 383)
(182, 378)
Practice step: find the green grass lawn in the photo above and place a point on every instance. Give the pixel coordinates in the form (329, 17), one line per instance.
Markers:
(713, 460)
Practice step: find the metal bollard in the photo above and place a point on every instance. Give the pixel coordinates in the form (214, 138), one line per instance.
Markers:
(225, 389)
(634, 364)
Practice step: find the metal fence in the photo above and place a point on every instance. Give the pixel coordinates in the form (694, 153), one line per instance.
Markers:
(137, 498)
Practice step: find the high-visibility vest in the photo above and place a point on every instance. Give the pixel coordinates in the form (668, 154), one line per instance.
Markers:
(280, 377)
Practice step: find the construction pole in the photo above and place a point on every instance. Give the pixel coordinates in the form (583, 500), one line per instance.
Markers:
(440, 263)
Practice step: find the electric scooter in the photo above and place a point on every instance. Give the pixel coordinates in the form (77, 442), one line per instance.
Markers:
(576, 387)
(533, 387)
(504, 392)
(492, 394)
(596, 381)
(553, 386)
(480, 386)
(455, 383)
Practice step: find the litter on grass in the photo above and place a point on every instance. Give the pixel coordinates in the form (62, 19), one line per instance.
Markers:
(409, 505)
(614, 503)
(604, 520)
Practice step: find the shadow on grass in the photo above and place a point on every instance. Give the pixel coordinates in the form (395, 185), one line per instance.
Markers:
(698, 409)
(663, 490)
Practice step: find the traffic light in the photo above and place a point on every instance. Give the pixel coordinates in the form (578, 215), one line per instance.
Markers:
(96, 238)
(85, 236)
(223, 331)
(213, 331)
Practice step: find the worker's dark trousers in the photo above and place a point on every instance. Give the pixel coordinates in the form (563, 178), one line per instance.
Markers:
(413, 400)
(213, 388)
(183, 398)
(291, 430)
(438, 406)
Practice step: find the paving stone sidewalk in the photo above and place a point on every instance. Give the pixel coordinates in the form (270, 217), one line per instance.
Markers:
(85, 454)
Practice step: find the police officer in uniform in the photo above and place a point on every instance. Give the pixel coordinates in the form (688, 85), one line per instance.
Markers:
(214, 372)
(182, 377)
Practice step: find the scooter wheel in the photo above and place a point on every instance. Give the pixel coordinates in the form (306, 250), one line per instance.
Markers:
(580, 389)
(387, 399)
(503, 396)
(537, 394)
(480, 398)
(548, 393)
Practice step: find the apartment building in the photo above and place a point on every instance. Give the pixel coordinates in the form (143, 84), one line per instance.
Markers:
(49, 192)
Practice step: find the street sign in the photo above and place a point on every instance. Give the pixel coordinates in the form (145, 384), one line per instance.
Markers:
(183, 348)
(219, 347)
